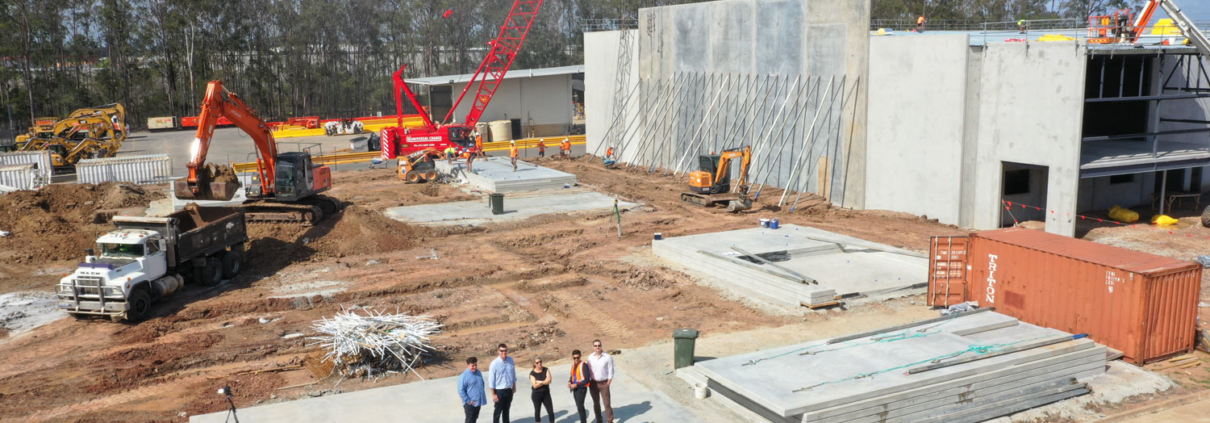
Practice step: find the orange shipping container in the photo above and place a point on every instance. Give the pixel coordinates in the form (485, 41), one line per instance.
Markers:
(1141, 304)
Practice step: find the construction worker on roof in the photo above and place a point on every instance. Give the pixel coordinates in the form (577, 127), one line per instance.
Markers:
(920, 24)
(512, 153)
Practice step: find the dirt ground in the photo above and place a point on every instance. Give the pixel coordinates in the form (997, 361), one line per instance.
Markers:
(544, 286)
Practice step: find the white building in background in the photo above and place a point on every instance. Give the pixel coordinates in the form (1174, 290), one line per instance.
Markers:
(539, 102)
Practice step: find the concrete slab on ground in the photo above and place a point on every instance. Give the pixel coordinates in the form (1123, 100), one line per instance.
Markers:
(437, 401)
(496, 174)
(516, 207)
(846, 265)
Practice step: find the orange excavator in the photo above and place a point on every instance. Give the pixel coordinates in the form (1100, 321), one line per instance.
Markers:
(289, 183)
(711, 184)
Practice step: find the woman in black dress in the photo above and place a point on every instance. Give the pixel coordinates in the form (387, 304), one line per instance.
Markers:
(540, 378)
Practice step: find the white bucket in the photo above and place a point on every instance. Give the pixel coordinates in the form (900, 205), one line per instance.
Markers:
(700, 391)
(764, 223)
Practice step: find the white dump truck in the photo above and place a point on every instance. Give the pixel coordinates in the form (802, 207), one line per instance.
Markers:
(148, 258)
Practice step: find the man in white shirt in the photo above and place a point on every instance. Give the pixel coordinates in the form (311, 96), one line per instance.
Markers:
(502, 383)
(602, 378)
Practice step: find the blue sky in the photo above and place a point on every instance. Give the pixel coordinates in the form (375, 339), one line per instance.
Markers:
(1198, 10)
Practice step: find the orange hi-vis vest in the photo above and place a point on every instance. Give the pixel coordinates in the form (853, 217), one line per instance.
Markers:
(920, 20)
(512, 152)
(577, 372)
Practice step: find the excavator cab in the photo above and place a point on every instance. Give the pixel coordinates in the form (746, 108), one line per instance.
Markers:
(298, 177)
(702, 181)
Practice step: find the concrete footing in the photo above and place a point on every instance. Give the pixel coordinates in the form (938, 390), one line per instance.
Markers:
(495, 174)
(810, 267)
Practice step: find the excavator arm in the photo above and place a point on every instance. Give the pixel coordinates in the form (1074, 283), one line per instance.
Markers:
(222, 103)
(745, 156)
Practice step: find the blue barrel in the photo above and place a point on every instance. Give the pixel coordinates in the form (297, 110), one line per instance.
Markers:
(773, 223)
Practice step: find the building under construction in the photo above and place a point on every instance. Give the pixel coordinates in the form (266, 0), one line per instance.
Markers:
(1055, 121)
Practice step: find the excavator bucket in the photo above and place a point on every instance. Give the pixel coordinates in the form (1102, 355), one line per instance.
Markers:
(214, 182)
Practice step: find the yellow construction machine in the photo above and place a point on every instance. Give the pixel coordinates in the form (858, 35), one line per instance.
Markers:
(96, 132)
(711, 184)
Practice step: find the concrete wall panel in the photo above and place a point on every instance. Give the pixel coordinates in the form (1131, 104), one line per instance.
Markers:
(1030, 112)
(601, 60)
(755, 39)
(915, 152)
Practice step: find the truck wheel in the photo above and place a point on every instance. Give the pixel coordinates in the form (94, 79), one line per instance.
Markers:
(211, 274)
(232, 261)
(140, 305)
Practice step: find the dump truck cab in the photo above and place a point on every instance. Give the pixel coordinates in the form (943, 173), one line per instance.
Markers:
(123, 279)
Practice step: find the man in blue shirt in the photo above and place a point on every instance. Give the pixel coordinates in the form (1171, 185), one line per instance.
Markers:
(502, 380)
(470, 389)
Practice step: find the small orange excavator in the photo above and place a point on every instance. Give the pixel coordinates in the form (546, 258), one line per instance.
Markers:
(289, 182)
(711, 184)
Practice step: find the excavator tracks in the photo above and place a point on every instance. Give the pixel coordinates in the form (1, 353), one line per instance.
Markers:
(304, 212)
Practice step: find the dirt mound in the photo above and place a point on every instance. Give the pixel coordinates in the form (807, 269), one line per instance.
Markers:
(60, 221)
(358, 230)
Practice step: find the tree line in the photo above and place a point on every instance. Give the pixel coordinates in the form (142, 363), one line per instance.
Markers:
(311, 57)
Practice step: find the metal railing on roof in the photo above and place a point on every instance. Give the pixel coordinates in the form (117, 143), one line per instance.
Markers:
(593, 25)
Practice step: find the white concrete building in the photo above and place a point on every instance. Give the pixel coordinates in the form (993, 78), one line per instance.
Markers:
(540, 102)
(955, 126)
(1042, 131)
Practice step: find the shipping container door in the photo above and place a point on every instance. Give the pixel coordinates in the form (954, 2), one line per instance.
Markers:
(947, 270)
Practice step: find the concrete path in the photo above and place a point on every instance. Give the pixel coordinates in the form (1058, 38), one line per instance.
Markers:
(437, 401)
(516, 207)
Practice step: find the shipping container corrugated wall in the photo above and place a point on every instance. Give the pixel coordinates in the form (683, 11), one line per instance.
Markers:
(1139, 303)
(150, 169)
(18, 177)
(40, 160)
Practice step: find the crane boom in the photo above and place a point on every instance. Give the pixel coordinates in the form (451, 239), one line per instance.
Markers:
(222, 103)
(499, 59)
(400, 141)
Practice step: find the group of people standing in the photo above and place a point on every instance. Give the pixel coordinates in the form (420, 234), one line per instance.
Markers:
(592, 376)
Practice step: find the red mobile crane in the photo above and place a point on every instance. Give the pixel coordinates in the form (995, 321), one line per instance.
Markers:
(399, 141)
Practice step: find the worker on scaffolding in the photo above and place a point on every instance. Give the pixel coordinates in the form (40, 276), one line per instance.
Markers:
(920, 24)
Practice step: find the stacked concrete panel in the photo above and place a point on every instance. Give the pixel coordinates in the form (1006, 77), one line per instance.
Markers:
(809, 267)
(968, 368)
(496, 174)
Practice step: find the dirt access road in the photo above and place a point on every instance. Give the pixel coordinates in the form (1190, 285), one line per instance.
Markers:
(544, 286)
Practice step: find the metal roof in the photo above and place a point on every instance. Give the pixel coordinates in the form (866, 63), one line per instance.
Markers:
(512, 74)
